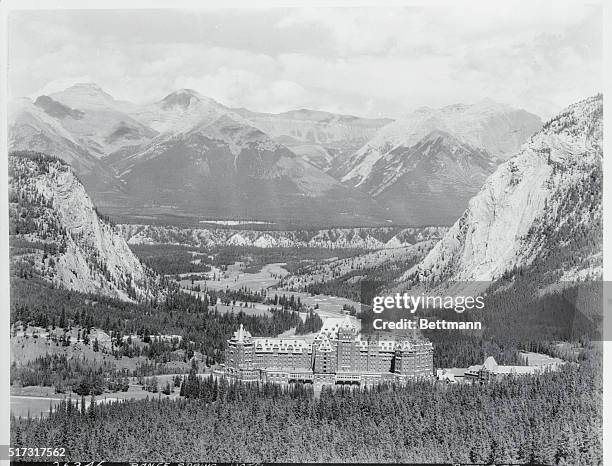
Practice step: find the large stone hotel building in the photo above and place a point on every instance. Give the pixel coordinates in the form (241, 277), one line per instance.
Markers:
(337, 355)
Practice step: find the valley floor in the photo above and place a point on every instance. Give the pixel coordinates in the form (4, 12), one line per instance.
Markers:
(269, 277)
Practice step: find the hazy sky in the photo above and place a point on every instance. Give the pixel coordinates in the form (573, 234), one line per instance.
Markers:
(540, 56)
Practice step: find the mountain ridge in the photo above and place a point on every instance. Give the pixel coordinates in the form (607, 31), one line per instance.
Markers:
(373, 238)
(497, 128)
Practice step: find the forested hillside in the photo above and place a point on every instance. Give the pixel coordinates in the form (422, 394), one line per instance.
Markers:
(196, 320)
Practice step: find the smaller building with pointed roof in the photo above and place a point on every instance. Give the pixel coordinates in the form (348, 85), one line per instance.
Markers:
(490, 369)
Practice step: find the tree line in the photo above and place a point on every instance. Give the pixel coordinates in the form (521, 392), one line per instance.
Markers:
(550, 418)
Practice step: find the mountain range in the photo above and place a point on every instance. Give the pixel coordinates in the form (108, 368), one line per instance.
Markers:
(188, 156)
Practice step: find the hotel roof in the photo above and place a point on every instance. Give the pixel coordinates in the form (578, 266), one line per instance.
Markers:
(324, 339)
(332, 324)
(283, 345)
(241, 335)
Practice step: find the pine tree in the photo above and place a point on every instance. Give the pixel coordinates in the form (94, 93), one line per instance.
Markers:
(92, 407)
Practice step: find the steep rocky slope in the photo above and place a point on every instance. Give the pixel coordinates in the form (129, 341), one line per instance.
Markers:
(542, 206)
(57, 235)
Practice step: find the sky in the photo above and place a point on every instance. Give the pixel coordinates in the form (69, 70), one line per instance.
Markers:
(374, 62)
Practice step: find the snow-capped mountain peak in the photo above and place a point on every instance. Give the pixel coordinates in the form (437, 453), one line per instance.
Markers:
(181, 111)
(183, 98)
(85, 95)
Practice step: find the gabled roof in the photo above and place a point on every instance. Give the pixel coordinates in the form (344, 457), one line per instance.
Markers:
(518, 369)
(490, 364)
(347, 323)
(283, 345)
(405, 345)
(331, 325)
(241, 335)
(325, 344)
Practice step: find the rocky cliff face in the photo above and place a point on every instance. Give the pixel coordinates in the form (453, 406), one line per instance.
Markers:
(544, 204)
(57, 235)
